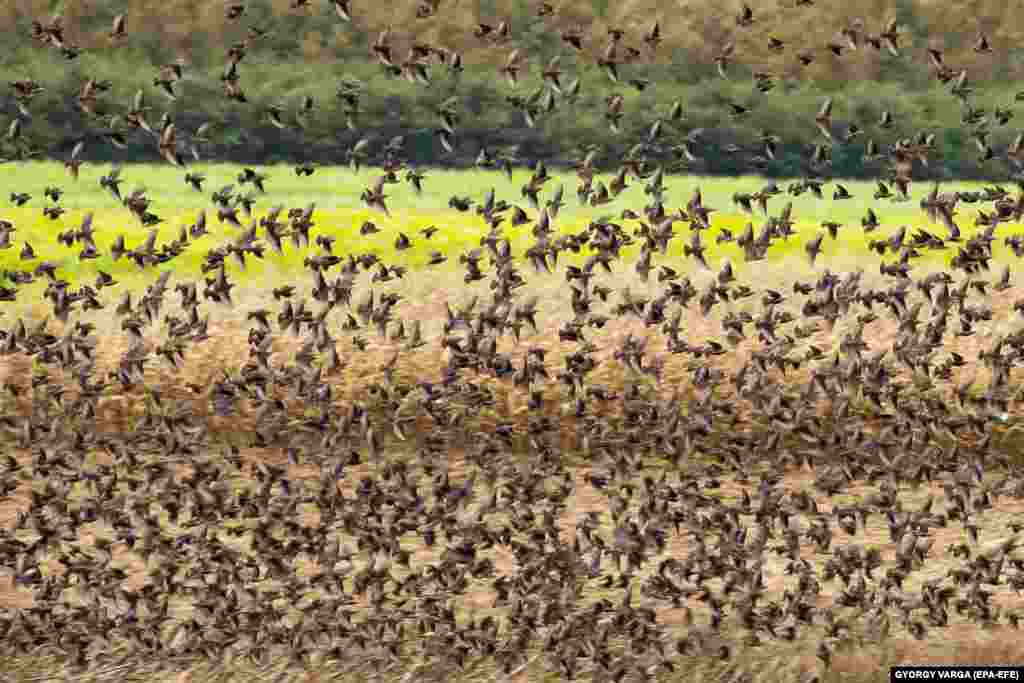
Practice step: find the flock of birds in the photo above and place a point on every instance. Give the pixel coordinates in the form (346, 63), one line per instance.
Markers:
(793, 382)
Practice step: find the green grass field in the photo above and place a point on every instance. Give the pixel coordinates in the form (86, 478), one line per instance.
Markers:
(340, 213)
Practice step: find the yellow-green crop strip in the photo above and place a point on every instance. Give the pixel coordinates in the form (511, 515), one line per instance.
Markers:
(340, 213)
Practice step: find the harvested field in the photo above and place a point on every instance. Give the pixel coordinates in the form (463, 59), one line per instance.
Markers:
(250, 511)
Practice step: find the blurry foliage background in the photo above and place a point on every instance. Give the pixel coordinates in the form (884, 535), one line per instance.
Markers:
(309, 50)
